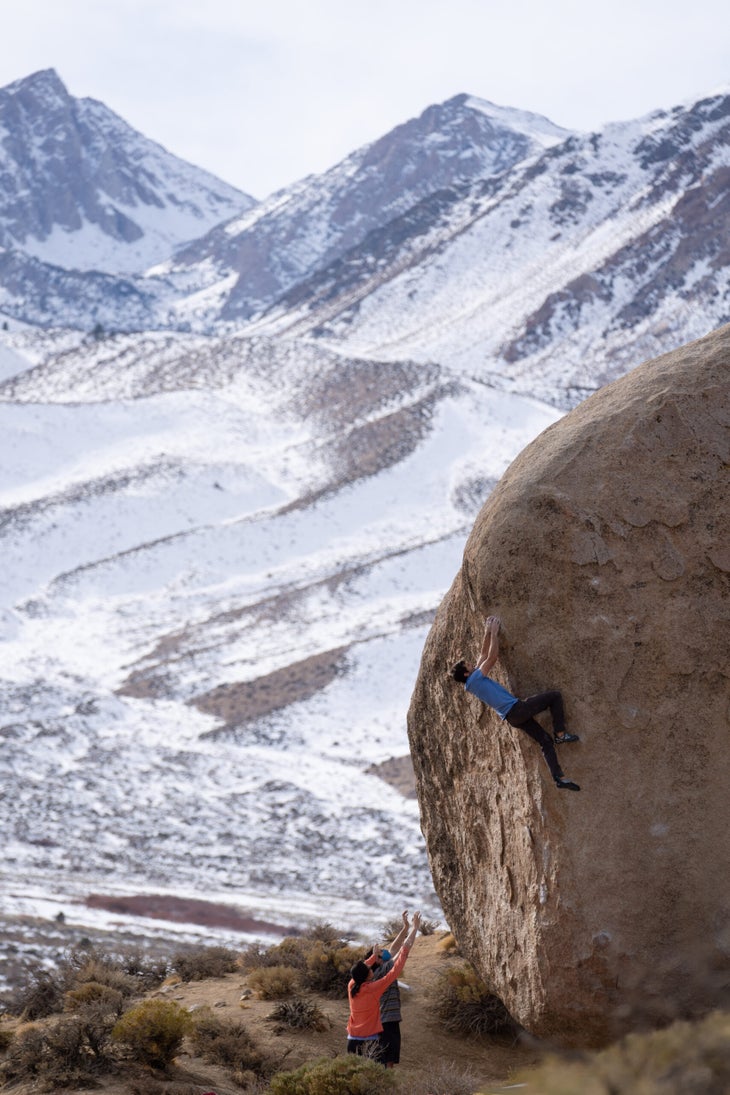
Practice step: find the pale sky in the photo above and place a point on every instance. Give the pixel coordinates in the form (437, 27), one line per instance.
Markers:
(264, 93)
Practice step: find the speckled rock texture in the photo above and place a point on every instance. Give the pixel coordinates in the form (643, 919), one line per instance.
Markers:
(605, 549)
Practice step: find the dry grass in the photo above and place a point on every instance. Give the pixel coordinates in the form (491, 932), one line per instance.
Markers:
(464, 1004)
(298, 1013)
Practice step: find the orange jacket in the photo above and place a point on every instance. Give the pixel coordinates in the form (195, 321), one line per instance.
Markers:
(364, 1021)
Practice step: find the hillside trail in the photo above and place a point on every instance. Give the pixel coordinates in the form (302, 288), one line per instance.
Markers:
(425, 1051)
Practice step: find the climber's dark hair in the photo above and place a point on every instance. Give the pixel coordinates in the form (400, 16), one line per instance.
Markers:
(359, 974)
(460, 672)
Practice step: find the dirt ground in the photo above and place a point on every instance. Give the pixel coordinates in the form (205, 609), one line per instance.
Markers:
(426, 1048)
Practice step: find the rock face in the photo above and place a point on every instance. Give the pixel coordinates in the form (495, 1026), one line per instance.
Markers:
(606, 551)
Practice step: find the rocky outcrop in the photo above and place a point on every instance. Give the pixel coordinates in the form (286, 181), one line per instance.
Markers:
(606, 551)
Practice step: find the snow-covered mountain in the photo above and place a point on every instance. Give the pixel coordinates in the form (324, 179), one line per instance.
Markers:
(304, 228)
(224, 532)
(246, 262)
(553, 278)
(534, 258)
(82, 190)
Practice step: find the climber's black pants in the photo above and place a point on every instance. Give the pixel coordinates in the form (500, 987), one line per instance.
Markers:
(522, 716)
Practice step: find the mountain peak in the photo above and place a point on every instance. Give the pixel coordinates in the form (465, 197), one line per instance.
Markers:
(536, 126)
(45, 81)
(84, 190)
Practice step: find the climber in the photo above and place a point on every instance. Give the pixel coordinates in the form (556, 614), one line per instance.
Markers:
(519, 713)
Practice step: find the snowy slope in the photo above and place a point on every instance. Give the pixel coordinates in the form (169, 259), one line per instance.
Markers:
(184, 527)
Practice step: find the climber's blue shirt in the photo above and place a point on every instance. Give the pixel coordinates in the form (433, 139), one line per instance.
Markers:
(491, 693)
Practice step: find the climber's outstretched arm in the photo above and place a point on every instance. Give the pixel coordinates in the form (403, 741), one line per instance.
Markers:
(490, 646)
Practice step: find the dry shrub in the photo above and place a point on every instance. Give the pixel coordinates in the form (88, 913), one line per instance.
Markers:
(208, 962)
(6, 1038)
(44, 991)
(222, 1042)
(290, 952)
(324, 932)
(328, 968)
(106, 973)
(153, 1031)
(448, 944)
(41, 995)
(428, 927)
(147, 972)
(465, 1005)
(324, 962)
(298, 1014)
(67, 1053)
(681, 1059)
(349, 1075)
(274, 982)
(93, 993)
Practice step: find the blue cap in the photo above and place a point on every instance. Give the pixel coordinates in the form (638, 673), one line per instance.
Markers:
(386, 955)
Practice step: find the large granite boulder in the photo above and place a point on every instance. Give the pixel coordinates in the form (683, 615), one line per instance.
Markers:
(605, 549)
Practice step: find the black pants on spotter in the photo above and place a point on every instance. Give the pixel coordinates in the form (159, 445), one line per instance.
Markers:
(522, 715)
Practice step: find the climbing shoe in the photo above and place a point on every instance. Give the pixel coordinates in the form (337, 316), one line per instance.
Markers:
(566, 785)
(560, 739)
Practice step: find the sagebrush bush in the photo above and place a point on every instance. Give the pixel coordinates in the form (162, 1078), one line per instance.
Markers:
(44, 991)
(40, 995)
(81, 967)
(65, 1053)
(208, 962)
(291, 952)
(298, 1013)
(274, 982)
(324, 963)
(681, 1059)
(464, 1004)
(95, 994)
(349, 1075)
(328, 966)
(6, 1037)
(228, 1043)
(111, 977)
(153, 1031)
(324, 932)
(146, 971)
